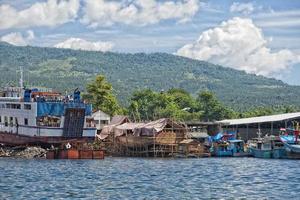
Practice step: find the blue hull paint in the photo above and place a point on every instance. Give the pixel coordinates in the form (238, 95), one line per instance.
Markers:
(279, 153)
(234, 148)
(293, 151)
(223, 153)
(272, 153)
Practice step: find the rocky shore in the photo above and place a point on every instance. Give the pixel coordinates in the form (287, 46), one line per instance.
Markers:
(23, 152)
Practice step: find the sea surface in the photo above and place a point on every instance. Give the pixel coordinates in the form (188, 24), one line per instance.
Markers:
(139, 178)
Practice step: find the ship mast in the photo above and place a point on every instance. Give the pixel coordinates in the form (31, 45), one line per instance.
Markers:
(21, 77)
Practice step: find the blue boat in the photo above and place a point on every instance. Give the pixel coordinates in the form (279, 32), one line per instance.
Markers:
(291, 142)
(226, 145)
(267, 147)
(232, 148)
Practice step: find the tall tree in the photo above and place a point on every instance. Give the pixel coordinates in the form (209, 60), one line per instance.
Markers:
(212, 108)
(175, 103)
(100, 94)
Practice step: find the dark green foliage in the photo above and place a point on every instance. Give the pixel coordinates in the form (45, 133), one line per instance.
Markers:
(64, 69)
(212, 108)
(175, 103)
(99, 93)
(261, 111)
(178, 104)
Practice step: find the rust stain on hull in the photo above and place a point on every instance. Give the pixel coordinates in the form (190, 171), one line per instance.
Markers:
(17, 139)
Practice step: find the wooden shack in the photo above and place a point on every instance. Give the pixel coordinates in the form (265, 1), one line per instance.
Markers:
(191, 148)
(155, 138)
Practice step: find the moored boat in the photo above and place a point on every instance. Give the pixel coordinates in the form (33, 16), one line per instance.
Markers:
(291, 141)
(42, 116)
(226, 145)
(267, 147)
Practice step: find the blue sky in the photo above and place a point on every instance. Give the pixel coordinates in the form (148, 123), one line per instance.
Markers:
(260, 37)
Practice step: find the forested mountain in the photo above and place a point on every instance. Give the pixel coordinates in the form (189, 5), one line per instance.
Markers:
(64, 69)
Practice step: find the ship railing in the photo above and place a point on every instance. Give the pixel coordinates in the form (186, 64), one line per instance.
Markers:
(10, 99)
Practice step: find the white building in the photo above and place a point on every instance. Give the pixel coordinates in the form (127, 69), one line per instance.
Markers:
(100, 119)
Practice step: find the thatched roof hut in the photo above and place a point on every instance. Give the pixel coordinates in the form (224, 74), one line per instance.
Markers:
(155, 127)
(108, 129)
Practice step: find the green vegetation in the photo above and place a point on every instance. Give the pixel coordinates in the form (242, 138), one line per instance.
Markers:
(175, 103)
(64, 70)
(99, 93)
(180, 105)
(212, 108)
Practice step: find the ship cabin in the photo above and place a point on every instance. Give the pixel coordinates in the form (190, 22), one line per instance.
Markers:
(43, 112)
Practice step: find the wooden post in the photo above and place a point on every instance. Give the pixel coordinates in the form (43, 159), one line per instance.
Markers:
(154, 150)
(285, 124)
(126, 153)
(258, 126)
(271, 128)
(247, 132)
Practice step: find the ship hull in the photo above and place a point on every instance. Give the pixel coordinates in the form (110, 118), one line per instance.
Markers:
(19, 139)
(293, 151)
(275, 153)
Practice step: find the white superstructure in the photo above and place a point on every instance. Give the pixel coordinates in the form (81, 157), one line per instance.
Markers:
(48, 114)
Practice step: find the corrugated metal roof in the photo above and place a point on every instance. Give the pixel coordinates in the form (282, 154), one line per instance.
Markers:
(198, 134)
(262, 119)
(187, 141)
(99, 114)
(129, 126)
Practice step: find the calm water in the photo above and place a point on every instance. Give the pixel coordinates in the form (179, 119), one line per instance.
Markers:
(135, 178)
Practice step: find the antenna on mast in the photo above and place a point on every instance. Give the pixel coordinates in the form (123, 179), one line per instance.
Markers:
(21, 77)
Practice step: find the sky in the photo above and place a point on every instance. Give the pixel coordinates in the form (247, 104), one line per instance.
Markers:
(260, 37)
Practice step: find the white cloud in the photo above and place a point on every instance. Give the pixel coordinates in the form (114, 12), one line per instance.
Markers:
(278, 19)
(50, 13)
(279, 14)
(244, 8)
(239, 44)
(17, 38)
(137, 12)
(77, 43)
(291, 22)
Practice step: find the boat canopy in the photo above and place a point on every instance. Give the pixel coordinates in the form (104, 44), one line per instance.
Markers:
(236, 141)
(58, 108)
(223, 136)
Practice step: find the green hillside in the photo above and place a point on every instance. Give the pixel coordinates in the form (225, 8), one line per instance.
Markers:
(64, 69)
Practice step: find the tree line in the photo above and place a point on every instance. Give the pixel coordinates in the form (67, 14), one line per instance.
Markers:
(175, 103)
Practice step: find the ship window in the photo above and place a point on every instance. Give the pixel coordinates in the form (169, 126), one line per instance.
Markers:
(11, 121)
(25, 121)
(104, 122)
(13, 106)
(27, 107)
(5, 121)
(50, 121)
